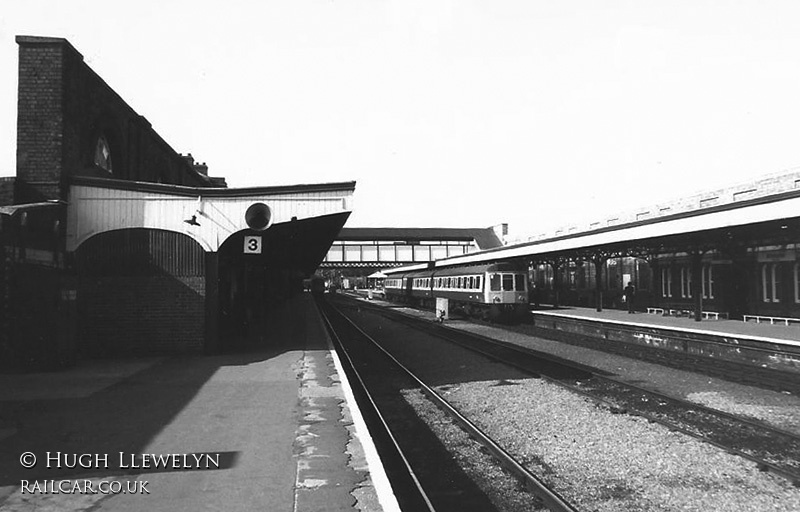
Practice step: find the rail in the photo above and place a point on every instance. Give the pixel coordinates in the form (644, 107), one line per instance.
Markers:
(536, 486)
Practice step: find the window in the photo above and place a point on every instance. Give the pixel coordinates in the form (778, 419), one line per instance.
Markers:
(478, 282)
(494, 282)
(369, 252)
(422, 253)
(666, 282)
(405, 253)
(386, 253)
(102, 154)
(336, 253)
(707, 278)
(508, 282)
(770, 281)
(519, 282)
(352, 253)
(686, 282)
(438, 252)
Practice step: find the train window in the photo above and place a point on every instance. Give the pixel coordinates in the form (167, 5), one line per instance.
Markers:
(494, 282)
(478, 282)
(508, 282)
(470, 281)
(461, 282)
(519, 282)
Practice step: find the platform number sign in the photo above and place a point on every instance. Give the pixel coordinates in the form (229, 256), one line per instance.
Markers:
(252, 245)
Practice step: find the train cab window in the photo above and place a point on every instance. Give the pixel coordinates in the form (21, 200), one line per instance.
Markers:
(519, 282)
(508, 282)
(494, 282)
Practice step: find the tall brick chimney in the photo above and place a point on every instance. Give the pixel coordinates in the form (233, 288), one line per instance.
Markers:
(40, 117)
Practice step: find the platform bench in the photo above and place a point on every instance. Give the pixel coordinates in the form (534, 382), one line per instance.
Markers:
(772, 319)
(655, 311)
(714, 314)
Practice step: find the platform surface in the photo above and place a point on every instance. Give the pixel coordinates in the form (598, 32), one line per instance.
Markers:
(734, 328)
(270, 424)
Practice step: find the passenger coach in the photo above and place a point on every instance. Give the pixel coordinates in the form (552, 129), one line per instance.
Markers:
(497, 291)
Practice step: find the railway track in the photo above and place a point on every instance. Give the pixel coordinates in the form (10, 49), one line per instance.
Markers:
(414, 491)
(773, 450)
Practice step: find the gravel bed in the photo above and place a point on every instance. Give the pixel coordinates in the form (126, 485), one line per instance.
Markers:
(597, 458)
(615, 462)
(779, 409)
(500, 487)
(774, 412)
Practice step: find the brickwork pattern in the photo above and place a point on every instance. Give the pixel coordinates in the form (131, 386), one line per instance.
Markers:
(40, 123)
(133, 315)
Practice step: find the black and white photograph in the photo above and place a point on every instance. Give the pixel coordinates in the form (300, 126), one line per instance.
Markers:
(400, 256)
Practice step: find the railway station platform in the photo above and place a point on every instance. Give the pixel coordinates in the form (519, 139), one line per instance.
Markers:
(775, 347)
(270, 427)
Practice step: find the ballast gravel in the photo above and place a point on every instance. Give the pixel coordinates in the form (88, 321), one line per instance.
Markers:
(602, 461)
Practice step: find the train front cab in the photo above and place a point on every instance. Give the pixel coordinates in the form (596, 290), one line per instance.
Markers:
(506, 293)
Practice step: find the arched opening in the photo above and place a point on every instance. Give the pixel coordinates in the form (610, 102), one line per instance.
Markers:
(141, 291)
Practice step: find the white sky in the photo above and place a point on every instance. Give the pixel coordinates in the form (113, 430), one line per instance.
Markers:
(456, 113)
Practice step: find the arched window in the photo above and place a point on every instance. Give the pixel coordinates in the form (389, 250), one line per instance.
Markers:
(102, 154)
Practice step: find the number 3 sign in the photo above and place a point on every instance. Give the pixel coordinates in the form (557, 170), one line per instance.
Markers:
(252, 245)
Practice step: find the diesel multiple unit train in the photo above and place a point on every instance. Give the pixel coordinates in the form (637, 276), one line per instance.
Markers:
(497, 291)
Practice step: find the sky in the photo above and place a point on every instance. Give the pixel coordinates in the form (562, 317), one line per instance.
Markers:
(449, 113)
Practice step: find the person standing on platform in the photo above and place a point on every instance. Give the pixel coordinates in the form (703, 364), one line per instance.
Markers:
(630, 295)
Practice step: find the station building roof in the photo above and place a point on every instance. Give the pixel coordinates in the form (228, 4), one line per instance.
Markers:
(756, 214)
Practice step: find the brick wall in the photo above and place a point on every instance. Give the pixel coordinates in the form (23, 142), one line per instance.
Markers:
(141, 315)
(6, 191)
(40, 122)
(141, 291)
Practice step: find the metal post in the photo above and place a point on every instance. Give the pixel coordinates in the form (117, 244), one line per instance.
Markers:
(556, 281)
(599, 262)
(697, 285)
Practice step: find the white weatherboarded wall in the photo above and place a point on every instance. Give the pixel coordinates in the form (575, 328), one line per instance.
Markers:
(95, 209)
